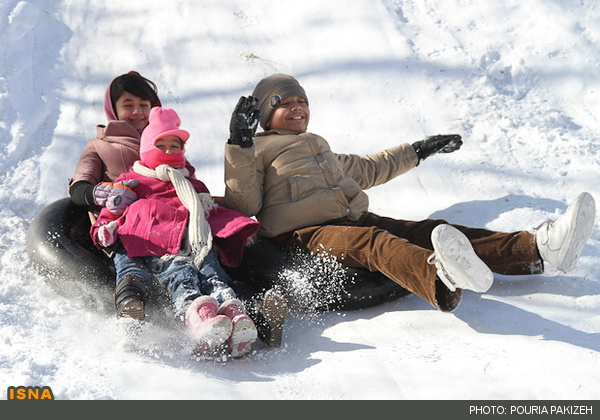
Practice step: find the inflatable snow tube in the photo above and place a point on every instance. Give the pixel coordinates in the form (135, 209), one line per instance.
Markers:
(59, 246)
(311, 283)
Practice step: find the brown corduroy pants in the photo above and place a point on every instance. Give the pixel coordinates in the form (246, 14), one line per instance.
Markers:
(399, 249)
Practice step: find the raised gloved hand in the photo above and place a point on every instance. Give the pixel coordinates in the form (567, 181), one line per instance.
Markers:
(115, 197)
(441, 143)
(107, 234)
(244, 122)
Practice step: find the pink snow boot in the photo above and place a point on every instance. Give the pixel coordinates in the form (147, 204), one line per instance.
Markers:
(244, 331)
(207, 328)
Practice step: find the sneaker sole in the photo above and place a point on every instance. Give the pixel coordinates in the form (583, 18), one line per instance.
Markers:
(579, 232)
(275, 311)
(459, 261)
(132, 308)
(243, 335)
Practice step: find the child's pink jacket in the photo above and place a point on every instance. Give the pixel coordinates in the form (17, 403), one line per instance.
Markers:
(154, 224)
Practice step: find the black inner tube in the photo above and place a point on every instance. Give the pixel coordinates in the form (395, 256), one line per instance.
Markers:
(59, 245)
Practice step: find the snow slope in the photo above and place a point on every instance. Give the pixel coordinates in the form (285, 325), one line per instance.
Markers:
(520, 81)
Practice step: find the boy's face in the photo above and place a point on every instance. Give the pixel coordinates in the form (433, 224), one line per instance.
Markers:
(169, 144)
(291, 115)
(134, 110)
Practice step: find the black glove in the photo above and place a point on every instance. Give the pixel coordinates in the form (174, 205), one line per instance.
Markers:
(244, 122)
(442, 143)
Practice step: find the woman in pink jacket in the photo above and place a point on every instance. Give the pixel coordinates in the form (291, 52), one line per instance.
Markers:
(127, 103)
(128, 100)
(177, 230)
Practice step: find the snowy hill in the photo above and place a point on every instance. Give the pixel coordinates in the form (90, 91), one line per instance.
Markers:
(520, 81)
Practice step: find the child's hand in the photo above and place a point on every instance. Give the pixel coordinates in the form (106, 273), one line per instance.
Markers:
(244, 122)
(107, 234)
(116, 197)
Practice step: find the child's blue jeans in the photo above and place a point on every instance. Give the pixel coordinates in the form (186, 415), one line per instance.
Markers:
(184, 281)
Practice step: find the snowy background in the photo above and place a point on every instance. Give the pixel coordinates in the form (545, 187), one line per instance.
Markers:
(519, 80)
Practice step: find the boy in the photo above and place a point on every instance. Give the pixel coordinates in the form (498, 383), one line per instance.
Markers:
(305, 195)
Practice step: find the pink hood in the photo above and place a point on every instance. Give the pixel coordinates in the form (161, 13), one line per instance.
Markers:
(109, 111)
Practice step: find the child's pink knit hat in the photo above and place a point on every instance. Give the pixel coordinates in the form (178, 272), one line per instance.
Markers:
(163, 122)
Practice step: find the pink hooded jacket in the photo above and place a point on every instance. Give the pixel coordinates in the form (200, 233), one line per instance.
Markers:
(155, 223)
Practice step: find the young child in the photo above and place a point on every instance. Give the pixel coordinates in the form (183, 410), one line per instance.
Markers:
(177, 230)
(305, 195)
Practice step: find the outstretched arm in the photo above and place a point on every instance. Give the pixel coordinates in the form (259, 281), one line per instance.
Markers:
(441, 143)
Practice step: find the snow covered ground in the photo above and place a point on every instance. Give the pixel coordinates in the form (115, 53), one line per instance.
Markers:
(519, 80)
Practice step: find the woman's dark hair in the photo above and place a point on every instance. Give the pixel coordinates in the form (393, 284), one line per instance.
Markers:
(135, 84)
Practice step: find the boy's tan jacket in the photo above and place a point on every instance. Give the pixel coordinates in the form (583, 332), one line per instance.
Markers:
(290, 180)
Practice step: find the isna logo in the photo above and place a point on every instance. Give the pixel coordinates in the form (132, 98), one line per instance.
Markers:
(29, 393)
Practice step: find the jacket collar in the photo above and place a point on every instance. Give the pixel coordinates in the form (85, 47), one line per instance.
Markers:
(117, 129)
(281, 132)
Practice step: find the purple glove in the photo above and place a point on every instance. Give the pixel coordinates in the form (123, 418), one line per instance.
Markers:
(107, 234)
(115, 197)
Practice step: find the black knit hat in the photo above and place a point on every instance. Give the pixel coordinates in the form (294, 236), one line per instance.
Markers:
(271, 90)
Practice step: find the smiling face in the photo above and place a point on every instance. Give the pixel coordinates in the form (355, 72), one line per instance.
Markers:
(292, 114)
(134, 110)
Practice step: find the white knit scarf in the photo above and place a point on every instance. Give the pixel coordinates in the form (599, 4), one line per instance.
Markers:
(198, 204)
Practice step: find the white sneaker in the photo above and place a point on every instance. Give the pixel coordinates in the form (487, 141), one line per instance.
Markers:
(458, 267)
(560, 243)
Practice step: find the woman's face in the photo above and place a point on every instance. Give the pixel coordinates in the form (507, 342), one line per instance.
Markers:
(292, 114)
(134, 110)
